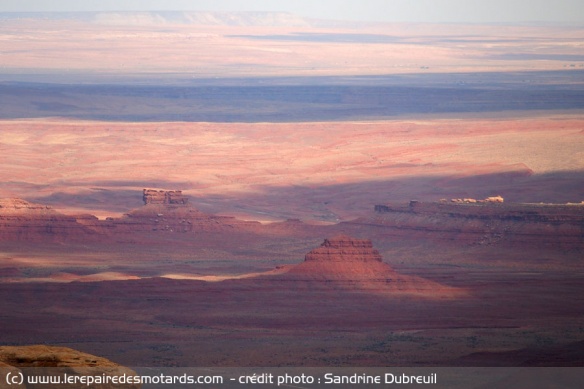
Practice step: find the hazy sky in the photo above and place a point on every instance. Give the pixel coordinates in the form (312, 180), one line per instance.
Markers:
(374, 10)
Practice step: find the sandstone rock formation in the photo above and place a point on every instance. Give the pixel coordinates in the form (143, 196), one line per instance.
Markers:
(163, 212)
(343, 248)
(485, 222)
(171, 213)
(345, 258)
(42, 360)
(151, 196)
(24, 221)
(346, 262)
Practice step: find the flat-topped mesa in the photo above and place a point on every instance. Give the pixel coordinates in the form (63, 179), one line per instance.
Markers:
(343, 262)
(485, 222)
(21, 220)
(345, 248)
(167, 197)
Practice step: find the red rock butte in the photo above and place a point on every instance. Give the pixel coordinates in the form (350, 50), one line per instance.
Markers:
(344, 248)
(343, 261)
(345, 258)
(151, 196)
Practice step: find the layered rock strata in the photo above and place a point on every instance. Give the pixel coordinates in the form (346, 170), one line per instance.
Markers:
(346, 262)
(176, 218)
(548, 225)
(151, 196)
(163, 212)
(24, 221)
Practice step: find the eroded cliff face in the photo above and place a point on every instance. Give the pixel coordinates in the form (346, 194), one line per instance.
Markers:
(550, 225)
(24, 221)
(151, 196)
(170, 212)
(163, 213)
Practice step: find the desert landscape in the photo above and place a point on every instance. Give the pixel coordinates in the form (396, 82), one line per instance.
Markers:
(203, 189)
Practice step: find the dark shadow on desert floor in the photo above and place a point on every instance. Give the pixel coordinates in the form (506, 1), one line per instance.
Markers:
(331, 202)
(303, 99)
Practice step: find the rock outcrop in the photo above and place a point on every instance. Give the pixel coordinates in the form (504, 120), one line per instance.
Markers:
(343, 248)
(170, 212)
(151, 196)
(24, 221)
(346, 262)
(343, 258)
(163, 212)
(57, 361)
(492, 199)
(486, 222)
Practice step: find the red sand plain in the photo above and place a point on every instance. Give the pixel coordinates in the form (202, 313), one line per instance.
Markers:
(272, 171)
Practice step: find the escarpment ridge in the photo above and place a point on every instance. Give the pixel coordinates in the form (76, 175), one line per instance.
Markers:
(167, 213)
(170, 211)
(21, 220)
(486, 222)
(162, 212)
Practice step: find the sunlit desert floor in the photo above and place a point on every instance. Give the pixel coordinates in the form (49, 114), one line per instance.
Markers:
(275, 123)
(272, 171)
(522, 306)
